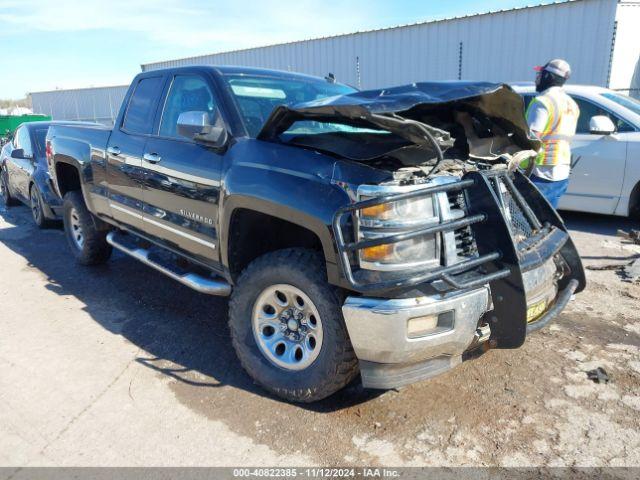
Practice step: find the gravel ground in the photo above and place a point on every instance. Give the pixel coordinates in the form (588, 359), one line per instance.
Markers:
(118, 365)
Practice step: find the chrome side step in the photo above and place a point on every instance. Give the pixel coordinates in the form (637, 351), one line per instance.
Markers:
(197, 282)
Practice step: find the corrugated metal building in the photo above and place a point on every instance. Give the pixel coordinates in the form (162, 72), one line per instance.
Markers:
(99, 104)
(600, 38)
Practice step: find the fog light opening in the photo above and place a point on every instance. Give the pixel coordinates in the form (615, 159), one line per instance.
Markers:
(429, 324)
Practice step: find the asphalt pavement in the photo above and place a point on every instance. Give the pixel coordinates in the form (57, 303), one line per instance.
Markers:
(118, 365)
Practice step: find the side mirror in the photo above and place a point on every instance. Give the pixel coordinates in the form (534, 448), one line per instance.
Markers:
(197, 126)
(601, 125)
(19, 153)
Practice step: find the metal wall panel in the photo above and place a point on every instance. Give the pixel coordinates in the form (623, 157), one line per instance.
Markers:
(498, 46)
(100, 104)
(625, 63)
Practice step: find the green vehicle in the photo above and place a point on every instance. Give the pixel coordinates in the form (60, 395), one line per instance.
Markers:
(9, 123)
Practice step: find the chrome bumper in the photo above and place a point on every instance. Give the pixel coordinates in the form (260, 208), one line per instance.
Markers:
(391, 355)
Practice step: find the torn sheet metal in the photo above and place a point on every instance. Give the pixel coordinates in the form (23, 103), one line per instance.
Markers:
(489, 115)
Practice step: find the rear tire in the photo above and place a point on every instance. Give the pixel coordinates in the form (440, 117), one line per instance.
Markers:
(300, 358)
(88, 244)
(37, 210)
(9, 201)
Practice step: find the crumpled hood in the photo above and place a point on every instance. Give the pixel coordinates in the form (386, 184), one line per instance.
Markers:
(498, 103)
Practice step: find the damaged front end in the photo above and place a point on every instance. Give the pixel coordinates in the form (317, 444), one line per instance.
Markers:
(410, 126)
(454, 247)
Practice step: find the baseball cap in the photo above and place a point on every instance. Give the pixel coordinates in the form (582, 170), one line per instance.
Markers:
(557, 67)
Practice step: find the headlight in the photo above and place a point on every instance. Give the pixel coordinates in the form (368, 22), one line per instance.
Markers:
(402, 253)
(413, 211)
(397, 217)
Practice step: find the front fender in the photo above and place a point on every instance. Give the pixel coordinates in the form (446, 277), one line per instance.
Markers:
(305, 200)
(44, 182)
(282, 212)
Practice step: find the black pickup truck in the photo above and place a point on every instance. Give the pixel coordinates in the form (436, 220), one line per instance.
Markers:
(385, 233)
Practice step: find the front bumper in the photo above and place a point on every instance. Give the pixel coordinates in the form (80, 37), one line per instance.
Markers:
(379, 328)
(390, 356)
(523, 272)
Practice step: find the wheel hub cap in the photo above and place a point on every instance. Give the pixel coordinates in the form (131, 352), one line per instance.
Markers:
(287, 327)
(77, 235)
(35, 207)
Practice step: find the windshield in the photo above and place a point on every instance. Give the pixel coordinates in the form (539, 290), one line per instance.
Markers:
(311, 127)
(624, 100)
(39, 135)
(258, 95)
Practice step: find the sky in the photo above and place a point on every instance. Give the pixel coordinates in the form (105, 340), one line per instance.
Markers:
(49, 44)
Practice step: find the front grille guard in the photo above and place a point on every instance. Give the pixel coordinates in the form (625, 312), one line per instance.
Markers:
(502, 258)
(446, 274)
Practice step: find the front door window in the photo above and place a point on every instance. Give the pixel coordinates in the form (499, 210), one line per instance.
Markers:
(188, 93)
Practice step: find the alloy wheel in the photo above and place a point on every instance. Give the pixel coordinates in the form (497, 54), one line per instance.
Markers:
(77, 234)
(36, 208)
(287, 327)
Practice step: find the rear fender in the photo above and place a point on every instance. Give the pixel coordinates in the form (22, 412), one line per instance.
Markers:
(76, 154)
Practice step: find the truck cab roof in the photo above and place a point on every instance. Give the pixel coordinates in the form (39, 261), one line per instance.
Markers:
(234, 70)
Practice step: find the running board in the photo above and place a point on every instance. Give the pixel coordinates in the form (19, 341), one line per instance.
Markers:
(197, 282)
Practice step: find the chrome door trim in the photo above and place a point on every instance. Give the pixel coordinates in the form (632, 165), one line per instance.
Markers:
(179, 175)
(125, 210)
(163, 226)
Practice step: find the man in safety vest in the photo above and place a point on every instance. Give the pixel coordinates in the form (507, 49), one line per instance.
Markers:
(553, 116)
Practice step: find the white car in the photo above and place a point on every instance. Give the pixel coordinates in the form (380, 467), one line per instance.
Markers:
(605, 153)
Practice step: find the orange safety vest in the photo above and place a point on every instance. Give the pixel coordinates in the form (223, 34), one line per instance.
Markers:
(560, 127)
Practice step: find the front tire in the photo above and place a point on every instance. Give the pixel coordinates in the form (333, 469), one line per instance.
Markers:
(9, 201)
(37, 210)
(88, 244)
(634, 203)
(287, 327)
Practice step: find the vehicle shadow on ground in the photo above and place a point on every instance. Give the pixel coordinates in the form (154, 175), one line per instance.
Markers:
(598, 224)
(601, 225)
(183, 333)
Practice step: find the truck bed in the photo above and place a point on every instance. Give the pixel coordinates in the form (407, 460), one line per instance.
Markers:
(96, 136)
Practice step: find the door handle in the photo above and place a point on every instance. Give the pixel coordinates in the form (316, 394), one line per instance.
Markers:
(152, 157)
(115, 151)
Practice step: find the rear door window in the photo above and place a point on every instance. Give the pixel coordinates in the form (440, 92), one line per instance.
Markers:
(142, 106)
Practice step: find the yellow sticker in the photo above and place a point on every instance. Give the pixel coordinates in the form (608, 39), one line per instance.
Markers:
(536, 310)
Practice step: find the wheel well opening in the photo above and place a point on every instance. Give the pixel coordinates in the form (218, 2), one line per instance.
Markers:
(67, 177)
(252, 234)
